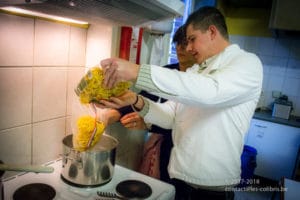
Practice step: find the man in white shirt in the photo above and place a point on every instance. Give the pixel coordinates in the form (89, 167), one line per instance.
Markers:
(210, 107)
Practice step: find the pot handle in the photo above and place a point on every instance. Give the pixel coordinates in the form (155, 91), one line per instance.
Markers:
(26, 168)
(77, 161)
(77, 156)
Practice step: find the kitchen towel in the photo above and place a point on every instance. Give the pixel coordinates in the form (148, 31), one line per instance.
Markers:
(157, 50)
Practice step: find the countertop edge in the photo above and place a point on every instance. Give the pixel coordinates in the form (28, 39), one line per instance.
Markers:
(293, 121)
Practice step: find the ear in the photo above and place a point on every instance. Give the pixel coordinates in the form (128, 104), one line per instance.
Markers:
(213, 31)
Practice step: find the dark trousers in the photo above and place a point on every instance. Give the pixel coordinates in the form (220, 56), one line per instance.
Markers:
(187, 192)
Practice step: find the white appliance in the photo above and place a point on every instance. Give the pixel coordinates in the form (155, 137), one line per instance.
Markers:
(277, 148)
(64, 191)
(282, 109)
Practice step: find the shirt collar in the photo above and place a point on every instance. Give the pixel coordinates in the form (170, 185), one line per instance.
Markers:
(213, 63)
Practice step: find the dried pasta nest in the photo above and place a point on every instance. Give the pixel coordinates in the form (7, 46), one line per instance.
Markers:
(90, 89)
(85, 128)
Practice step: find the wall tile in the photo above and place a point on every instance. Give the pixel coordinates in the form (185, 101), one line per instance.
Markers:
(251, 44)
(236, 39)
(277, 70)
(47, 140)
(16, 97)
(33, 99)
(68, 126)
(295, 49)
(293, 69)
(281, 62)
(282, 47)
(51, 43)
(49, 93)
(98, 44)
(266, 69)
(266, 78)
(77, 46)
(275, 83)
(274, 61)
(268, 99)
(291, 86)
(265, 45)
(15, 146)
(74, 76)
(16, 40)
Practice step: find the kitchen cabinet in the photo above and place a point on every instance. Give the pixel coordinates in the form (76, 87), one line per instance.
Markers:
(277, 148)
(285, 15)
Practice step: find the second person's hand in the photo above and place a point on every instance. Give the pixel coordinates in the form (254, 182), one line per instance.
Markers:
(133, 121)
(127, 98)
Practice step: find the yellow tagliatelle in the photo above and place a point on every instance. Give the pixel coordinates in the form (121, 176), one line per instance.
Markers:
(85, 128)
(91, 87)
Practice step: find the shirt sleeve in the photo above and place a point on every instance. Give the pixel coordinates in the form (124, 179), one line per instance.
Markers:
(164, 113)
(237, 80)
(144, 79)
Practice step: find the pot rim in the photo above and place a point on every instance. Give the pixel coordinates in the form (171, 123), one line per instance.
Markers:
(115, 141)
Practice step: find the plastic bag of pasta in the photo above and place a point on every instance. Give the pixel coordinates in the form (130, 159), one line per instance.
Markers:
(90, 88)
(88, 125)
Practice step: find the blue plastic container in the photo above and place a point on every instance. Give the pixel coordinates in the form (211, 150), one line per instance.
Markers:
(248, 164)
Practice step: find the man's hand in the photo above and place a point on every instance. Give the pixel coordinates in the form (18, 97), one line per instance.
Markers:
(133, 121)
(116, 70)
(127, 98)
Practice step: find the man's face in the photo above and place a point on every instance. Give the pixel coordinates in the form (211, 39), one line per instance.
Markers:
(199, 43)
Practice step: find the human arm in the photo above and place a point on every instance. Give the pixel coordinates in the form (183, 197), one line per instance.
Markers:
(161, 114)
(235, 77)
(229, 82)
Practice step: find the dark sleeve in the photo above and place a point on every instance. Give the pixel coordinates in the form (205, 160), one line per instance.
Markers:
(172, 66)
(125, 110)
(159, 130)
(149, 96)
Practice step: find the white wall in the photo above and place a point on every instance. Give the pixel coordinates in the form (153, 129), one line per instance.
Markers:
(99, 44)
(281, 65)
(40, 64)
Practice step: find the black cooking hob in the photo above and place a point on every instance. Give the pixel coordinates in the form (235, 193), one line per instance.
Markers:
(134, 189)
(35, 191)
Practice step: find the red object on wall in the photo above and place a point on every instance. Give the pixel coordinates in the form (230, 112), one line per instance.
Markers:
(139, 46)
(131, 44)
(126, 34)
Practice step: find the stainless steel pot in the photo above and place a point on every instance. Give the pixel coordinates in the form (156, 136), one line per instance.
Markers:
(89, 168)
